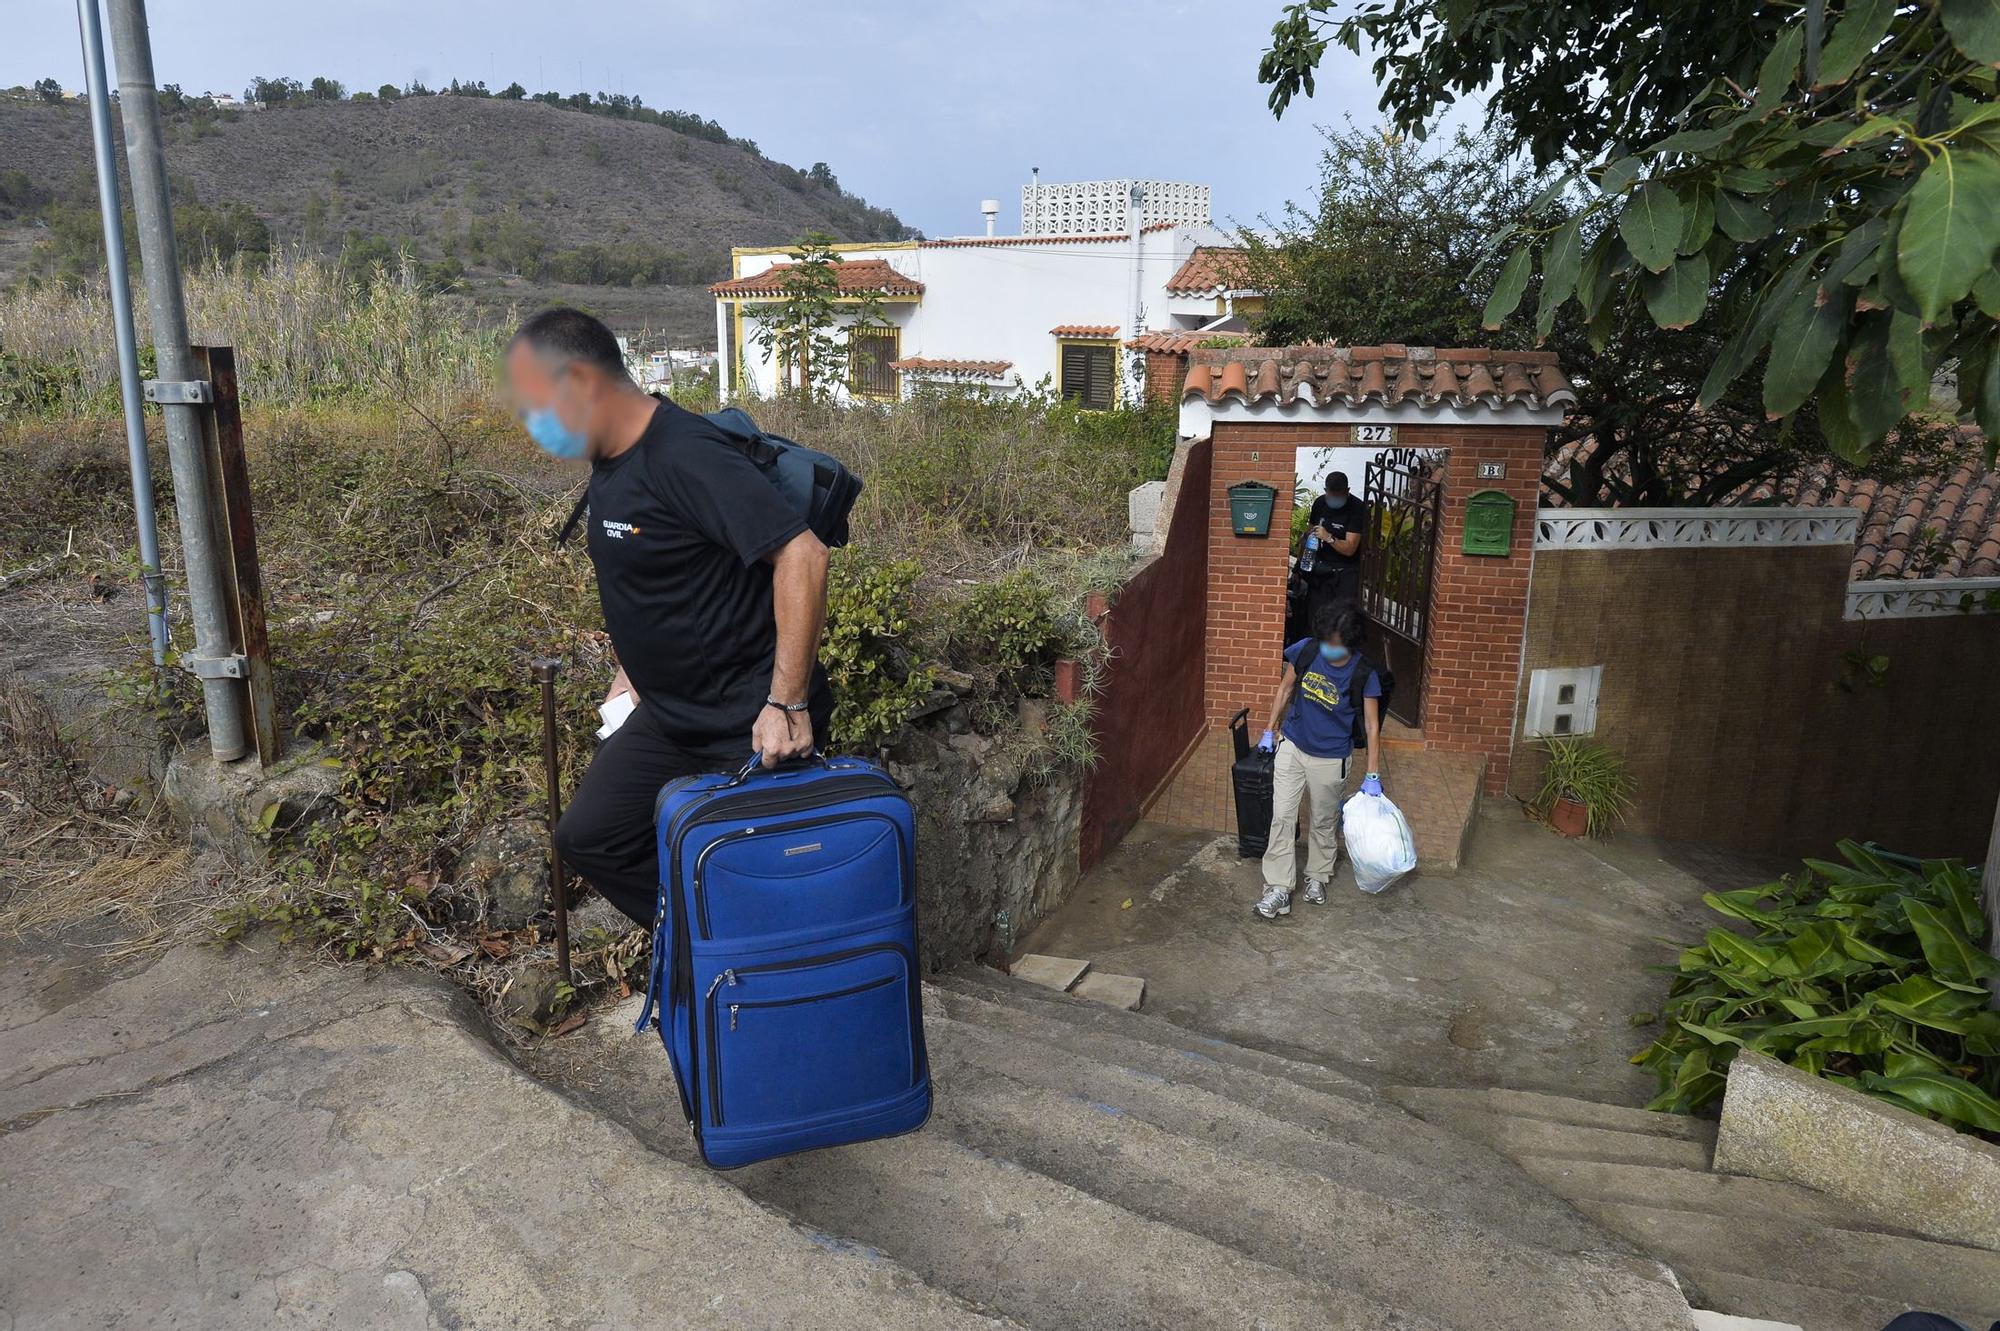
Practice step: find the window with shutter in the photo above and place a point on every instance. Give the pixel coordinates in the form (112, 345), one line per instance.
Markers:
(1090, 374)
(871, 352)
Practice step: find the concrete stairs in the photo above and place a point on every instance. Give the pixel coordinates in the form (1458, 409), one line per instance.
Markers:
(1091, 1167)
(1745, 1246)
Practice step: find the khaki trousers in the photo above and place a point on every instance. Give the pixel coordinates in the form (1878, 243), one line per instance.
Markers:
(1319, 780)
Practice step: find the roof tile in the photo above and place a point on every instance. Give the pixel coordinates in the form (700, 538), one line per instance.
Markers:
(1209, 271)
(855, 275)
(1179, 342)
(1085, 330)
(985, 369)
(1388, 374)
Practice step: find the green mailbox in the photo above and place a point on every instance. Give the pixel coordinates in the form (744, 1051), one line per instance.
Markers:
(1250, 505)
(1489, 523)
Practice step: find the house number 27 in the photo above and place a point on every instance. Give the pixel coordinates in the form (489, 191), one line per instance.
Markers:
(1374, 434)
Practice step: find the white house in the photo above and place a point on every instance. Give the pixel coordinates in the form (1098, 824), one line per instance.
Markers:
(1003, 312)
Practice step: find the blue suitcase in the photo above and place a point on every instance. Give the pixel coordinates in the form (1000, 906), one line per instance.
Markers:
(785, 958)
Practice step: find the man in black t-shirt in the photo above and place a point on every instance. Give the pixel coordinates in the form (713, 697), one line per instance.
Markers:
(1337, 520)
(714, 593)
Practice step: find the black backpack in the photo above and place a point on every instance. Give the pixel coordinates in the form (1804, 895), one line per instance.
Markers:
(817, 486)
(1362, 665)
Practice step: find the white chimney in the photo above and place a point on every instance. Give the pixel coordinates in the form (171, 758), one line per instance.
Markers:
(990, 207)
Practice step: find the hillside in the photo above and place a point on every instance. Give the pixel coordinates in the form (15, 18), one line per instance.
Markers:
(514, 203)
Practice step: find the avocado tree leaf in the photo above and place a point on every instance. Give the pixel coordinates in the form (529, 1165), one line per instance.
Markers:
(1950, 228)
(1774, 76)
(1742, 220)
(1561, 261)
(1876, 396)
(1974, 26)
(1697, 220)
(1508, 288)
(1861, 29)
(1676, 296)
(1842, 435)
(1754, 330)
(1805, 339)
(1651, 225)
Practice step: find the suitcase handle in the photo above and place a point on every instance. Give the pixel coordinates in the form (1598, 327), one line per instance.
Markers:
(817, 759)
(1239, 733)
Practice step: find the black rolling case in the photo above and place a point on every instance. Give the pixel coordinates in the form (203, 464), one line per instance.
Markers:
(1250, 778)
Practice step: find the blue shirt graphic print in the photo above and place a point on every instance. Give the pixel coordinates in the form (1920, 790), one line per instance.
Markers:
(1322, 715)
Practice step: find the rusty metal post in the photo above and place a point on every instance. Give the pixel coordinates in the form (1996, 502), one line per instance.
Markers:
(236, 523)
(545, 674)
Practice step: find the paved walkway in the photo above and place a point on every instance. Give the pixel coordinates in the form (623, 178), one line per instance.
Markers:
(227, 1140)
(1522, 971)
(1438, 792)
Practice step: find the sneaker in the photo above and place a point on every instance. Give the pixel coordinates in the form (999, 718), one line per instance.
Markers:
(1276, 901)
(1315, 892)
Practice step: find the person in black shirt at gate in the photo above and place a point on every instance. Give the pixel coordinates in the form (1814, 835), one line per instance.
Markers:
(1337, 522)
(713, 588)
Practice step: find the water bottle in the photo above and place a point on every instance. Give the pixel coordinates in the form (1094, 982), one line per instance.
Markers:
(1311, 555)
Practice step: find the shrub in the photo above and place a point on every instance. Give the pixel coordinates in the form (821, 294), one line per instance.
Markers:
(868, 611)
(1868, 973)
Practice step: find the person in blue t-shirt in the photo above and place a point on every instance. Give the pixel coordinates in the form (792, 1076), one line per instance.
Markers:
(1313, 717)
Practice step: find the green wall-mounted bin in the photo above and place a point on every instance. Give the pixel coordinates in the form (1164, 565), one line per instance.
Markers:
(1489, 523)
(1250, 505)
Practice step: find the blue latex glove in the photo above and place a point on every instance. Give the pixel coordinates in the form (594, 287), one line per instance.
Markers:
(1267, 744)
(1371, 784)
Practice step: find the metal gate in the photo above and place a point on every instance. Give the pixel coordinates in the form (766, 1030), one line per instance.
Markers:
(1398, 559)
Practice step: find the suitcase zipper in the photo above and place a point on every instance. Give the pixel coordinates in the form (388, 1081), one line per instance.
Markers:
(772, 829)
(731, 977)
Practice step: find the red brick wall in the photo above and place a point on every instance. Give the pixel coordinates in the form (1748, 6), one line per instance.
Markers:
(1165, 374)
(1149, 707)
(1479, 606)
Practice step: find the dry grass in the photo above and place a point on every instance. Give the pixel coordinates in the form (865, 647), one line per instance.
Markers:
(77, 862)
(301, 330)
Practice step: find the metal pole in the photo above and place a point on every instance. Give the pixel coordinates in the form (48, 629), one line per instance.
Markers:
(121, 323)
(545, 674)
(146, 159)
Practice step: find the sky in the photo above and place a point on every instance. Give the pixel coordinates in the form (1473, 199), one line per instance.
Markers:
(923, 107)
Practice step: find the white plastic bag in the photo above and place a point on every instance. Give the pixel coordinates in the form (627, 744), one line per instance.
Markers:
(1378, 841)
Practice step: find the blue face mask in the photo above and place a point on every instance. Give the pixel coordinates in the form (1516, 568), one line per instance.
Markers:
(1333, 655)
(556, 439)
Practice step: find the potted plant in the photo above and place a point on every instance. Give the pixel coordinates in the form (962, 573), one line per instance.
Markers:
(1585, 788)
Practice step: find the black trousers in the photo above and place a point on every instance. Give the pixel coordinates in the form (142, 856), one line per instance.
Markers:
(1327, 586)
(607, 835)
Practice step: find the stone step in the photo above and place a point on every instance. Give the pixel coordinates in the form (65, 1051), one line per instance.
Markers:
(1917, 1273)
(1805, 1306)
(981, 982)
(982, 1228)
(1402, 1255)
(1520, 1137)
(1045, 1253)
(1724, 1196)
(1378, 1149)
(1427, 1101)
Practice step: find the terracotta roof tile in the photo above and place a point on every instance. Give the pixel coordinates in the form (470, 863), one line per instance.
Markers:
(1209, 271)
(1388, 375)
(1945, 526)
(1179, 342)
(985, 369)
(1085, 330)
(1942, 526)
(855, 275)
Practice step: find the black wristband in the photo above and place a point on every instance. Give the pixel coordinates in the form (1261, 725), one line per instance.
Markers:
(787, 706)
